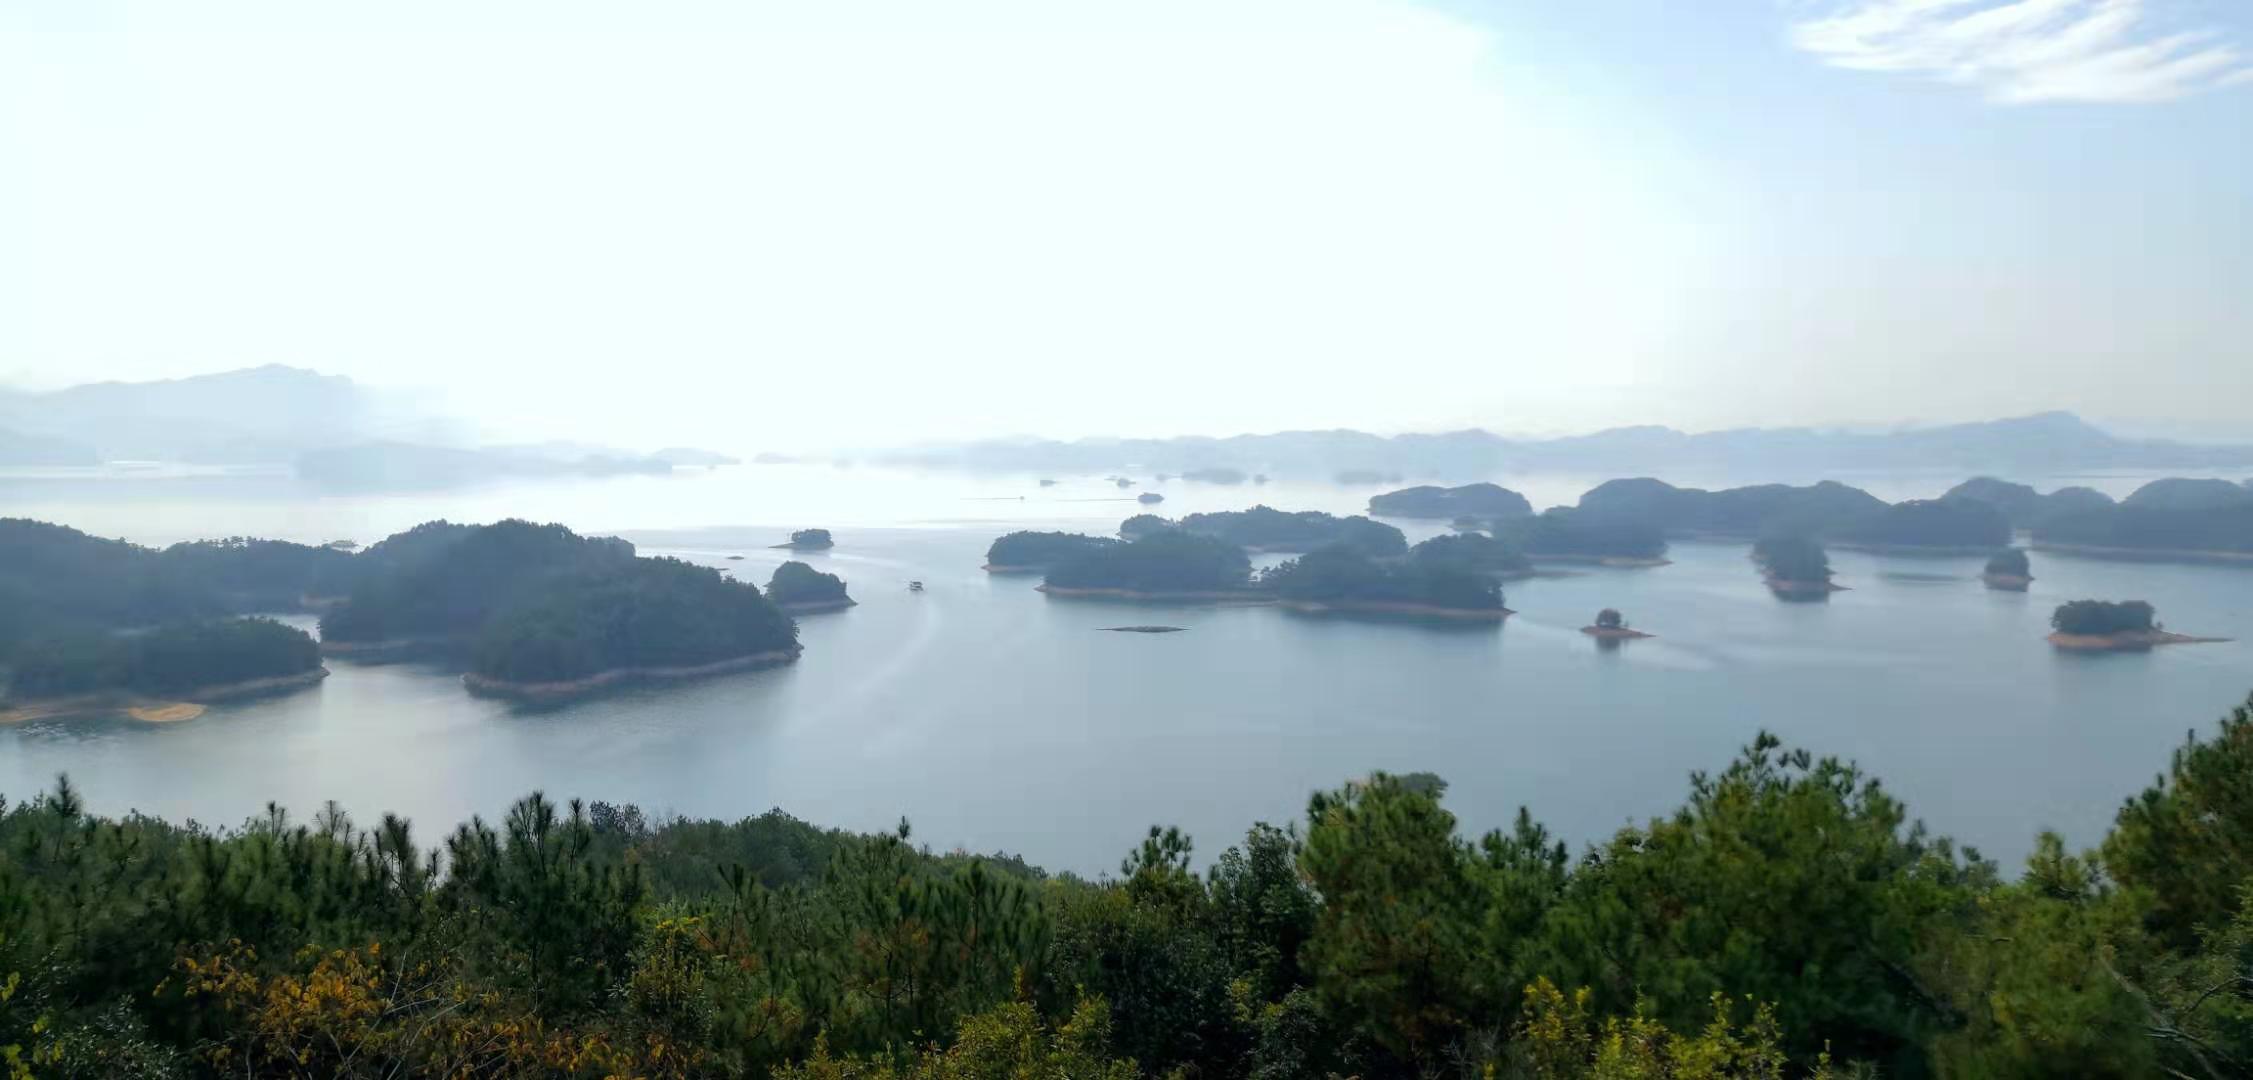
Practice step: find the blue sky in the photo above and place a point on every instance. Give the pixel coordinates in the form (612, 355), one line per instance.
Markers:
(1002, 216)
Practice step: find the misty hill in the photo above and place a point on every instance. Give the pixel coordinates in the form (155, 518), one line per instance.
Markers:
(17, 448)
(392, 466)
(253, 416)
(2042, 442)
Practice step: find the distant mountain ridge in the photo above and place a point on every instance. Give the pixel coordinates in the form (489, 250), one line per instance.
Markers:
(260, 415)
(2041, 442)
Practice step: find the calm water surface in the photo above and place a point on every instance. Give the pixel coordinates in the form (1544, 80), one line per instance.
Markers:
(995, 718)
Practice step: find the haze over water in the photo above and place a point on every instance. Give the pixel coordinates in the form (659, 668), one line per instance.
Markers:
(965, 705)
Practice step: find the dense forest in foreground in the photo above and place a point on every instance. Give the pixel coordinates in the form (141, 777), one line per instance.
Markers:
(1789, 919)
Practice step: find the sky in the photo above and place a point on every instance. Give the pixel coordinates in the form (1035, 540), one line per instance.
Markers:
(787, 225)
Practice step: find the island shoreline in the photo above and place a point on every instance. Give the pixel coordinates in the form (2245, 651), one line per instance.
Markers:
(2129, 641)
(186, 705)
(568, 689)
(1381, 607)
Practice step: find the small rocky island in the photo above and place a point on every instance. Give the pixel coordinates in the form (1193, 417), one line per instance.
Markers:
(2008, 571)
(1149, 498)
(1027, 552)
(810, 540)
(1610, 625)
(802, 590)
(1794, 568)
(2112, 626)
(1145, 629)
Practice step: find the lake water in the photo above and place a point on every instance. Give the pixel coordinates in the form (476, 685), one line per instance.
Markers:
(995, 718)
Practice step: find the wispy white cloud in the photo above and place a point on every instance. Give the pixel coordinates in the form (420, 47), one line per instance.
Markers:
(2025, 51)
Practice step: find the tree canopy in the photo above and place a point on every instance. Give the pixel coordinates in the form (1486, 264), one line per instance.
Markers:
(812, 539)
(447, 581)
(1471, 551)
(1949, 523)
(1344, 577)
(1481, 501)
(2101, 617)
(1792, 558)
(1788, 918)
(796, 583)
(172, 659)
(2009, 562)
(639, 613)
(1562, 532)
(1269, 529)
(1160, 562)
(1041, 550)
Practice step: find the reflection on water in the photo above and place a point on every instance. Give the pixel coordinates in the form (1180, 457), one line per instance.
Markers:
(996, 717)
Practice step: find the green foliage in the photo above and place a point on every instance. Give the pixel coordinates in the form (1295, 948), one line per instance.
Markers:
(2102, 617)
(634, 613)
(1169, 561)
(1342, 576)
(812, 539)
(1811, 890)
(1006, 1043)
(1759, 510)
(1483, 501)
(1792, 558)
(1268, 529)
(1558, 531)
(445, 581)
(796, 583)
(1471, 551)
(1952, 523)
(1141, 525)
(2186, 842)
(1788, 915)
(2227, 528)
(2009, 562)
(168, 660)
(1610, 619)
(1041, 550)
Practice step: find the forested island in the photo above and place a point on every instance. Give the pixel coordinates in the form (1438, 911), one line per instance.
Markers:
(1264, 528)
(801, 590)
(2008, 571)
(1344, 580)
(1565, 535)
(1475, 552)
(158, 674)
(1372, 938)
(1610, 625)
(435, 587)
(810, 540)
(593, 627)
(1169, 564)
(1141, 525)
(1033, 552)
(2112, 626)
(1794, 566)
(88, 624)
(2187, 520)
(1935, 526)
(1741, 513)
(1484, 502)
